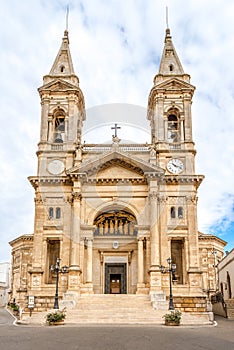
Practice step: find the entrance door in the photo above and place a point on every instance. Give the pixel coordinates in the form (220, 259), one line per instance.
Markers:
(115, 283)
(115, 279)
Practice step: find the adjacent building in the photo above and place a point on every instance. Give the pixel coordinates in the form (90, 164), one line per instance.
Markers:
(225, 269)
(5, 272)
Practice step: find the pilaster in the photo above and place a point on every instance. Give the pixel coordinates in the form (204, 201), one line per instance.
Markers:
(140, 266)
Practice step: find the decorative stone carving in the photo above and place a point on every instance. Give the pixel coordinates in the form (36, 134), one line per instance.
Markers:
(191, 199)
(115, 223)
(76, 196)
(36, 281)
(153, 195)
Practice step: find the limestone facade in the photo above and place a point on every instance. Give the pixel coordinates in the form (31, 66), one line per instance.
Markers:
(114, 213)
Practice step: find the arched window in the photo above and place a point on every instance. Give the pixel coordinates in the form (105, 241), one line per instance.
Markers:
(171, 67)
(51, 213)
(173, 213)
(58, 213)
(221, 288)
(229, 286)
(180, 212)
(173, 128)
(59, 126)
(62, 69)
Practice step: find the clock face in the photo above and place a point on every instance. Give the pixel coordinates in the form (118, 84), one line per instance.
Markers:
(56, 167)
(175, 166)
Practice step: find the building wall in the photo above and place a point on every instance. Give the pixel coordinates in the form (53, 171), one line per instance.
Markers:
(5, 273)
(226, 276)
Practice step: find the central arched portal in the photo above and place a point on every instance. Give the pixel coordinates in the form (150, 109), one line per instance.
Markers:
(115, 239)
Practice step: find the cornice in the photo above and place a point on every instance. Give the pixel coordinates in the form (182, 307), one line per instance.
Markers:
(49, 180)
(23, 238)
(209, 237)
(183, 179)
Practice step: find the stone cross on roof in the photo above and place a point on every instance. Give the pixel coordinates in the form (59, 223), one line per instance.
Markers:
(115, 128)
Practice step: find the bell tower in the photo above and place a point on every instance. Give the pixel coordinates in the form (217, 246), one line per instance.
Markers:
(59, 149)
(169, 112)
(62, 114)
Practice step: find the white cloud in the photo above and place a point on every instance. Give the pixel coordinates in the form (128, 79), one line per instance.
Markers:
(116, 47)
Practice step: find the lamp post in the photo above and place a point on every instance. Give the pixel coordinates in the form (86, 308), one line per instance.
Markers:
(56, 268)
(171, 269)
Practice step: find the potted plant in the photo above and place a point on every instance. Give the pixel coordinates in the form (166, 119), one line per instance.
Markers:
(173, 318)
(56, 318)
(15, 308)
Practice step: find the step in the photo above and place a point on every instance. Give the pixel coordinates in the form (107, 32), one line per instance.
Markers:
(114, 308)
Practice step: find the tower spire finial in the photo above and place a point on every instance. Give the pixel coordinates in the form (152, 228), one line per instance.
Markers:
(67, 13)
(167, 17)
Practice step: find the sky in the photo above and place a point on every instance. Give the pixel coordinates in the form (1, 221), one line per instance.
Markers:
(116, 48)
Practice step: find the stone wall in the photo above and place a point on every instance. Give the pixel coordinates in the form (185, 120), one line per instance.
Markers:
(230, 308)
(190, 304)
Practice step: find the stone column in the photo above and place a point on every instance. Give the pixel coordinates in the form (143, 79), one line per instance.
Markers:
(162, 211)
(74, 270)
(40, 212)
(187, 118)
(182, 129)
(66, 129)
(44, 118)
(166, 129)
(50, 129)
(194, 272)
(88, 287)
(140, 267)
(75, 252)
(192, 231)
(89, 273)
(36, 270)
(159, 119)
(147, 261)
(154, 229)
(155, 274)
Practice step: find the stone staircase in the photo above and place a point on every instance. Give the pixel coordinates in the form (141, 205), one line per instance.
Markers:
(114, 309)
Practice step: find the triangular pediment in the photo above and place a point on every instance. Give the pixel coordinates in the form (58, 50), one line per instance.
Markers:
(58, 85)
(113, 170)
(116, 165)
(174, 84)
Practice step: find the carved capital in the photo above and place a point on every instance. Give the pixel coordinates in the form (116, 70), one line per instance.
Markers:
(38, 199)
(76, 196)
(191, 199)
(69, 199)
(162, 199)
(153, 195)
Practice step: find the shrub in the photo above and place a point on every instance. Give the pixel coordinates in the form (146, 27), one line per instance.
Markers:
(56, 316)
(173, 316)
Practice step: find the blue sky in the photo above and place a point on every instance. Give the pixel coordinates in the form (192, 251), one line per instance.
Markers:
(116, 47)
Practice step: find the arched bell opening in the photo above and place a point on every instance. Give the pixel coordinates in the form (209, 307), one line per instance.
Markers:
(59, 125)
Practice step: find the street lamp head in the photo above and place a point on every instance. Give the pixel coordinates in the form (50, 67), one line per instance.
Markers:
(64, 269)
(173, 267)
(162, 269)
(169, 260)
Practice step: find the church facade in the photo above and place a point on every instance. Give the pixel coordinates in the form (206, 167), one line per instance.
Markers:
(114, 213)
